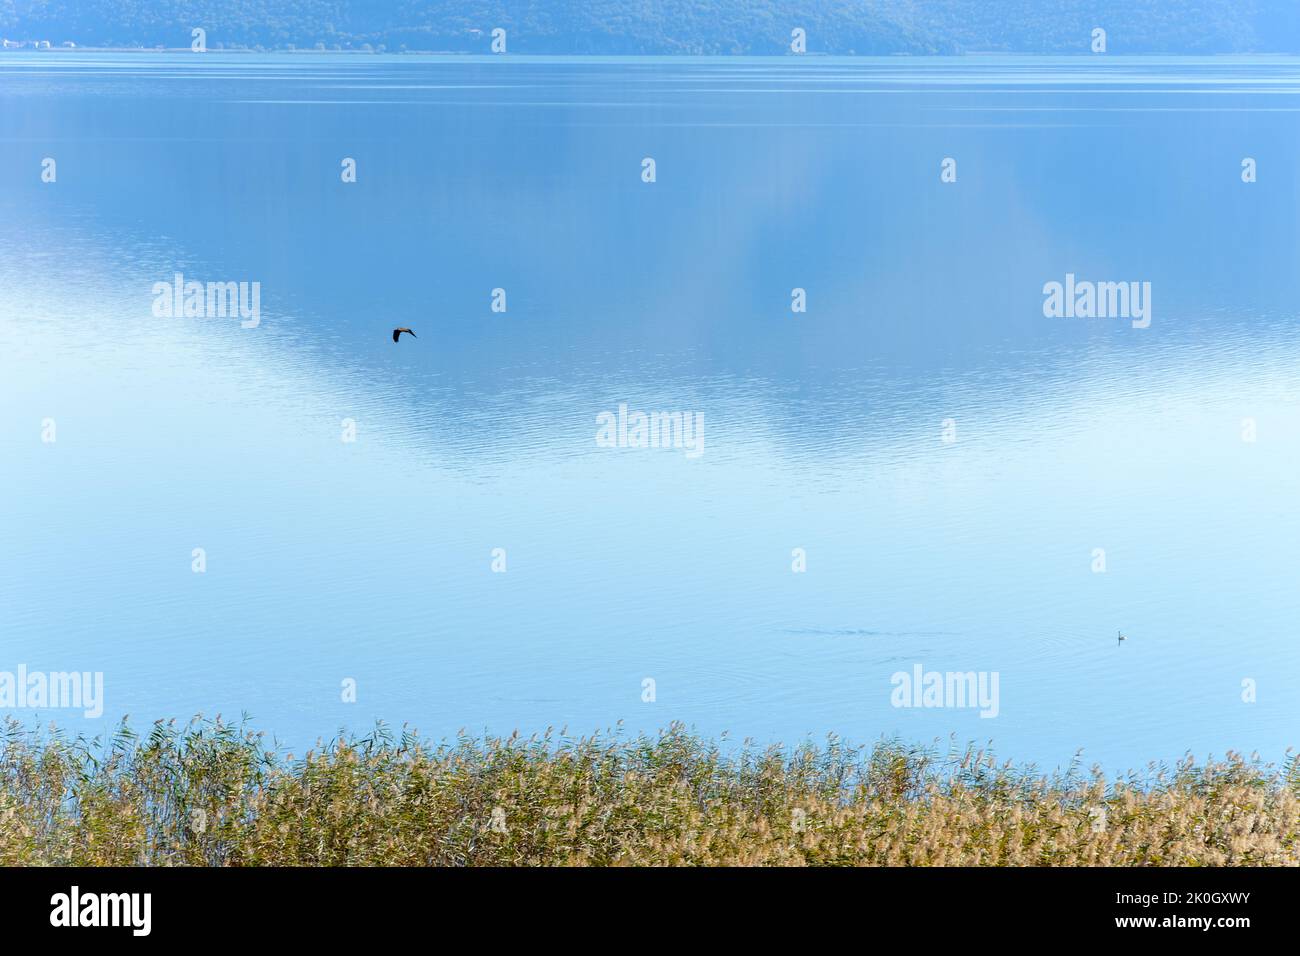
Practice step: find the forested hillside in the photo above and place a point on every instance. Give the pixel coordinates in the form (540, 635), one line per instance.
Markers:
(669, 26)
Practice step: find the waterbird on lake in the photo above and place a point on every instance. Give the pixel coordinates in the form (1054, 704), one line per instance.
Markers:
(398, 332)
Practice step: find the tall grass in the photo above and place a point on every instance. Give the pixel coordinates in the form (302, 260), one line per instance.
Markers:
(210, 793)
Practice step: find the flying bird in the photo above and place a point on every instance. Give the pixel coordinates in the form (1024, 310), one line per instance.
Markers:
(398, 332)
(1122, 638)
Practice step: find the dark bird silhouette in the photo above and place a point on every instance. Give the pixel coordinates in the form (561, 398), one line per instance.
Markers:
(398, 332)
(1122, 638)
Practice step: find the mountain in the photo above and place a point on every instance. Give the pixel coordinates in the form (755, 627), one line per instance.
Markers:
(670, 26)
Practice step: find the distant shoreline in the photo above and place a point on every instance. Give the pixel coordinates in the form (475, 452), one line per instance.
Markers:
(983, 54)
(719, 28)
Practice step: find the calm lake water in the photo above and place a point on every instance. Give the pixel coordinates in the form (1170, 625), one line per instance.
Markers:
(828, 430)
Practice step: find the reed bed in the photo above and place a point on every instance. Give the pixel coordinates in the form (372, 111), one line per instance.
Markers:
(209, 793)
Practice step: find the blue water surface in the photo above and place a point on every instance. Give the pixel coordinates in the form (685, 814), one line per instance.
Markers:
(372, 560)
